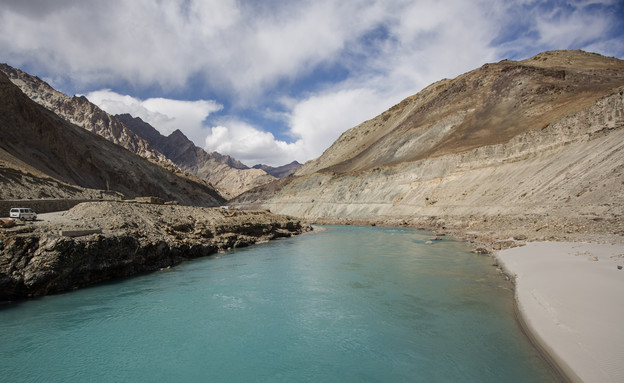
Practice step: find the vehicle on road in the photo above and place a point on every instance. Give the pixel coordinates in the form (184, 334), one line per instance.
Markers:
(23, 213)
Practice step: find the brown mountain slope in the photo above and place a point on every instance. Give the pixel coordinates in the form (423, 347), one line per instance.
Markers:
(228, 175)
(538, 142)
(176, 146)
(486, 106)
(59, 149)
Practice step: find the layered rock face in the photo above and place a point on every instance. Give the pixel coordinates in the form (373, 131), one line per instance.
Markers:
(538, 138)
(134, 238)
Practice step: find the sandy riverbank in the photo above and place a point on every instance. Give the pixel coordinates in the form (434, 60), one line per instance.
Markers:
(570, 297)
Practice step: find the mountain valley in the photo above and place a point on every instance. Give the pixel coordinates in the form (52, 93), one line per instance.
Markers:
(533, 147)
(225, 173)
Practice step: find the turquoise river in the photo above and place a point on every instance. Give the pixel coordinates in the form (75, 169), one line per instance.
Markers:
(345, 304)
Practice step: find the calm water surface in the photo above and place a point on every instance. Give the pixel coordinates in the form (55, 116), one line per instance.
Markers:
(350, 304)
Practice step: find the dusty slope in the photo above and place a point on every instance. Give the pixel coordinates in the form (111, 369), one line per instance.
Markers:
(19, 180)
(36, 136)
(516, 143)
(280, 171)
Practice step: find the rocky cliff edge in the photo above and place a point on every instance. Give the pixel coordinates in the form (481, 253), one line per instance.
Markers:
(99, 241)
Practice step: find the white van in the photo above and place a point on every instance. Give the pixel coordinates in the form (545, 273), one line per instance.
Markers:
(23, 213)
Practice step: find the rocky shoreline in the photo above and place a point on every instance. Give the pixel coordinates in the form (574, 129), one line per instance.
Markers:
(100, 241)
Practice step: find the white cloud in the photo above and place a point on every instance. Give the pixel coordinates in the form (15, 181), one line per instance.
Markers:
(319, 120)
(240, 47)
(574, 29)
(165, 115)
(314, 124)
(250, 145)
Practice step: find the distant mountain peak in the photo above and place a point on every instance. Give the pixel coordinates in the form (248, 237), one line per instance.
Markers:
(280, 171)
(178, 133)
(226, 173)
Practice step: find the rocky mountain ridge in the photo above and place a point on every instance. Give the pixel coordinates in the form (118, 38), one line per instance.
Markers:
(176, 153)
(37, 142)
(228, 175)
(535, 145)
(486, 106)
(80, 111)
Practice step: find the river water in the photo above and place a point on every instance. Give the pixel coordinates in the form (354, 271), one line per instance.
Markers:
(348, 304)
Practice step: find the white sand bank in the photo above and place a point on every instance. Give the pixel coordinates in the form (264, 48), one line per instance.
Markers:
(571, 297)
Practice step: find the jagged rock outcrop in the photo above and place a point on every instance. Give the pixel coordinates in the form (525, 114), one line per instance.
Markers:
(33, 135)
(134, 238)
(523, 140)
(80, 111)
(225, 173)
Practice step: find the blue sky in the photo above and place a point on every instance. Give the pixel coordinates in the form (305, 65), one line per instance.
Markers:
(276, 81)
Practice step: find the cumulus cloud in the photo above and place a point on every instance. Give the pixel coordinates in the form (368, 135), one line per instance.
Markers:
(341, 109)
(165, 115)
(251, 145)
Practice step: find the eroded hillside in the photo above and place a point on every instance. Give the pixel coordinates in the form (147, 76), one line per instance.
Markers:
(529, 141)
(176, 152)
(487, 106)
(79, 111)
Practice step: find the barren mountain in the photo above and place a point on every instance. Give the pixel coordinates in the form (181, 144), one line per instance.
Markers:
(539, 141)
(487, 106)
(228, 175)
(50, 146)
(80, 111)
